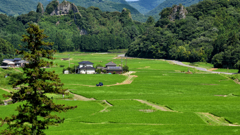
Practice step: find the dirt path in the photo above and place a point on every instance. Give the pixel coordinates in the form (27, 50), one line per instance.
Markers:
(161, 108)
(5, 90)
(107, 104)
(81, 98)
(129, 80)
(214, 120)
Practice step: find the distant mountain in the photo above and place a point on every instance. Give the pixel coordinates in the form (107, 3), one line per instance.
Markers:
(17, 7)
(144, 6)
(169, 3)
(106, 5)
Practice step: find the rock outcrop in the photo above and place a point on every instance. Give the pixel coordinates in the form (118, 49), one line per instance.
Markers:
(178, 12)
(65, 8)
(83, 32)
(40, 8)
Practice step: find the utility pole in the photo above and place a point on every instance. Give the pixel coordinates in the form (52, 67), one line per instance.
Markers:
(69, 60)
(126, 61)
(121, 64)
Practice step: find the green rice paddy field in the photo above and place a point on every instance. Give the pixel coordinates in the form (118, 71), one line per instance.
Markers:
(174, 102)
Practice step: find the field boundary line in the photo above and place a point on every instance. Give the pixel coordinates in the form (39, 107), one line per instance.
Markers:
(5, 89)
(158, 107)
(214, 120)
(153, 124)
(81, 98)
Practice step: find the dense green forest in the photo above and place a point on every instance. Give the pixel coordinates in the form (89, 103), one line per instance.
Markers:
(210, 32)
(144, 6)
(169, 3)
(91, 30)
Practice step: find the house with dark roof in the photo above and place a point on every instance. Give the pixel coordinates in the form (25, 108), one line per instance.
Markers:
(112, 67)
(85, 67)
(16, 62)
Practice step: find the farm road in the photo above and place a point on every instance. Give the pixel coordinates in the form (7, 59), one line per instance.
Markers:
(181, 64)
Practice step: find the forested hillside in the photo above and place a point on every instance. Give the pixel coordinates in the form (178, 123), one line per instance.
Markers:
(169, 3)
(18, 7)
(144, 6)
(89, 30)
(208, 31)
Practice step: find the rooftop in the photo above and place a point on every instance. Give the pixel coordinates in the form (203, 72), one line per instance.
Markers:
(85, 62)
(111, 64)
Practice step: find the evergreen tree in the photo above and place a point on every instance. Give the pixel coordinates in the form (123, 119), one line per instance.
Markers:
(34, 115)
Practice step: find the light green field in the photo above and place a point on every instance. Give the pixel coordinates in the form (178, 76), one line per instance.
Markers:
(185, 95)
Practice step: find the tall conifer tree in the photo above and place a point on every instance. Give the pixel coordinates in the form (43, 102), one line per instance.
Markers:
(34, 115)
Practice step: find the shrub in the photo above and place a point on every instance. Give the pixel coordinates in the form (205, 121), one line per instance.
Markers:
(1, 102)
(98, 71)
(104, 71)
(114, 72)
(62, 65)
(125, 68)
(99, 65)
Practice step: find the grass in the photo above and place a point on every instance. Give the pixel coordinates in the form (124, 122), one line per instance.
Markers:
(158, 82)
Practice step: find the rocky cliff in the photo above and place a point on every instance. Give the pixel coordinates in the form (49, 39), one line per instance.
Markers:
(178, 12)
(65, 8)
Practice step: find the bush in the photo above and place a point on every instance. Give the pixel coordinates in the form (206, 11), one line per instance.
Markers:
(98, 71)
(125, 68)
(62, 65)
(1, 102)
(99, 65)
(104, 71)
(114, 72)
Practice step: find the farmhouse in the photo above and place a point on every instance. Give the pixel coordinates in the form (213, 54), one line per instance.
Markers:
(16, 62)
(85, 67)
(112, 67)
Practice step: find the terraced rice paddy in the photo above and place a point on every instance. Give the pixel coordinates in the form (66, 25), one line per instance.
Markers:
(159, 100)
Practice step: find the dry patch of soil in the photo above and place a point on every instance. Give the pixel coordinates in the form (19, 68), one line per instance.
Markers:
(212, 69)
(221, 95)
(147, 110)
(158, 107)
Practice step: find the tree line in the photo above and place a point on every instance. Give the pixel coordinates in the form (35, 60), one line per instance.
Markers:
(209, 33)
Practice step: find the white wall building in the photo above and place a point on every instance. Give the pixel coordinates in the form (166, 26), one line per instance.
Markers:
(86, 67)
